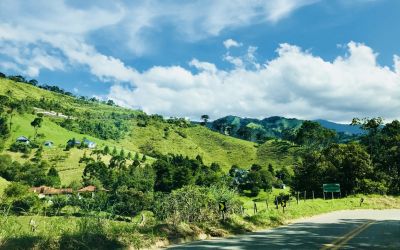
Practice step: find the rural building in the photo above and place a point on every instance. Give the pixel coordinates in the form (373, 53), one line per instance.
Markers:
(43, 191)
(23, 139)
(48, 144)
(73, 143)
(89, 144)
(87, 189)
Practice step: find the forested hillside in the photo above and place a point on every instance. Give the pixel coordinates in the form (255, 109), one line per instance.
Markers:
(275, 127)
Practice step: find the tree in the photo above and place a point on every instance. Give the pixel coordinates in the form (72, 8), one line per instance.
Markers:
(373, 127)
(95, 171)
(12, 107)
(36, 124)
(110, 102)
(271, 169)
(33, 82)
(53, 178)
(136, 156)
(117, 162)
(347, 164)
(17, 78)
(313, 136)
(205, 119)
(106, 150)
(114, 152)
(4, 131)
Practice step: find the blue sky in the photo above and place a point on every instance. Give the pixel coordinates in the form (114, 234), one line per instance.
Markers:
(308, 59)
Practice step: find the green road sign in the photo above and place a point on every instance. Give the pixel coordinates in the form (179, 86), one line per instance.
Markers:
(332, 187)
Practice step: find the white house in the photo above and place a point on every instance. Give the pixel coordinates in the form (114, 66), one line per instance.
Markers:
(89, 143)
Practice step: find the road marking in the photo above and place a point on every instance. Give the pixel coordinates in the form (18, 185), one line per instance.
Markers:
(345, 238)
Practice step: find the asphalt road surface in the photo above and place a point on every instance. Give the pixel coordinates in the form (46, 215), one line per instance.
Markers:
(350, 229)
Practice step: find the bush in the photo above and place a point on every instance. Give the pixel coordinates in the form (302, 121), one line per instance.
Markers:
(20, 147)
(194, 204)
(20, 199)
(16, 190)
(368, 186)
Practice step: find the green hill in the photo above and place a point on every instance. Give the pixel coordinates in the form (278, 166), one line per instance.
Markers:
(256, 130)
(131, 130)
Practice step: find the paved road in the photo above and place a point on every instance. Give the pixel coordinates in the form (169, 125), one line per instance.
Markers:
(352, 229)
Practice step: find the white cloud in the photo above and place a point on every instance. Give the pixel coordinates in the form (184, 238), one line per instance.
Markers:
(54, 35)
(231, 43)
(131, 23)
(294, 84)
(396, 60)
(205, 66)
(276, 10)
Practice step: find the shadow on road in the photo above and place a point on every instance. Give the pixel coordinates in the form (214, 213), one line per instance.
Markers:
(383, 234)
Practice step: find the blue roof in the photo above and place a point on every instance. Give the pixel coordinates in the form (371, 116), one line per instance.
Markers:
(22, 138)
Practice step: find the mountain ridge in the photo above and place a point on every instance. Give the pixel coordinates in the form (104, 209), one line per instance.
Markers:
(260, 130)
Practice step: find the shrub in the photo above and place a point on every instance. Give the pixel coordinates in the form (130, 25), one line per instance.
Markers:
(20, 147)
(194, 204)
(368, 186)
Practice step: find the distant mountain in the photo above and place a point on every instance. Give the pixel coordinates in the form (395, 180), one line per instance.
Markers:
(272, 127)
(341, 128)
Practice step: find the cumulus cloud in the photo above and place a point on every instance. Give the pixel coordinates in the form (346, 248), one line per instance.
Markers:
(294, 84)
(231, 43)
(54, 35)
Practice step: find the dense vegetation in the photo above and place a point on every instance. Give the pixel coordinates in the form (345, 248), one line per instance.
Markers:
(370, 165)
(259, 131)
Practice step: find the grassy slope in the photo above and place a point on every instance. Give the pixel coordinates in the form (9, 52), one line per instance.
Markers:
(69, 168)
(212, 146)
(21, 91)
(3, 185)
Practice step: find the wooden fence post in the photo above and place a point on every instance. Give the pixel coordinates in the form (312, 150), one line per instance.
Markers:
(313, 195)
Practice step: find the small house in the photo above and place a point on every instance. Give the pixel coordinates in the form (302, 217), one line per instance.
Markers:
(73, 143)
(48, 144)
(23, 139)
(89, 144)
